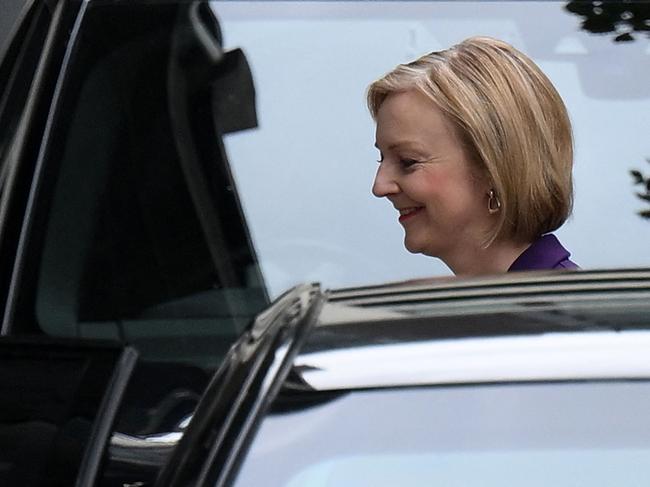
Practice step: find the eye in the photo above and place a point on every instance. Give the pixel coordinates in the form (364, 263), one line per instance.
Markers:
(407, 163)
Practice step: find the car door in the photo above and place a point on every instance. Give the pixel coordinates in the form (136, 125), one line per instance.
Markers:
(59, 402)
(31, 57)
(120, 221)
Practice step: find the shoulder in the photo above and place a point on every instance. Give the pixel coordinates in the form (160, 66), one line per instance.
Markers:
(567, 264)
(543, 254)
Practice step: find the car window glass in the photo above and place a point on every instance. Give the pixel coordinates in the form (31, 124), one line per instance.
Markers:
(309, 167)
(496, 435)
(137, 233)
(136, 246)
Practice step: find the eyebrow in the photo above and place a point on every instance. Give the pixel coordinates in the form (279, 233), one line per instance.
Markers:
(408, 143)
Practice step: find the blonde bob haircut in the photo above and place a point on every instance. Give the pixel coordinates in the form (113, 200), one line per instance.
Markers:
(512, 122)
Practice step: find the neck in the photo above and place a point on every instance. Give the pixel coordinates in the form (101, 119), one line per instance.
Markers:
(495, 259)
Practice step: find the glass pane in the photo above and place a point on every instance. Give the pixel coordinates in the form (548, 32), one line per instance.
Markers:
(144, 240)
(138, 234)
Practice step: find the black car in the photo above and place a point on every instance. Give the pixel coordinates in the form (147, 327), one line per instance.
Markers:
(140, 345)
(123, 247)
(535, 380)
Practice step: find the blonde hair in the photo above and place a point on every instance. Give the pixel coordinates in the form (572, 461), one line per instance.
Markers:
(511, 119)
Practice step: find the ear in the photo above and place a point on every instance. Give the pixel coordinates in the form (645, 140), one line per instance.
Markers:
(482, 178)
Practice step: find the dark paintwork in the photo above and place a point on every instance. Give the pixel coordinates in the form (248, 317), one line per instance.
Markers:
(240, 392)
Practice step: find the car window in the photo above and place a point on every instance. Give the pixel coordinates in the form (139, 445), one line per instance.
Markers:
(136, 232)
(495, 435)
(309, 167)
(143, 240)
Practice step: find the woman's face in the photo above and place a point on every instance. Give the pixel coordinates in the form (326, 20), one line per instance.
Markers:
(426, 174)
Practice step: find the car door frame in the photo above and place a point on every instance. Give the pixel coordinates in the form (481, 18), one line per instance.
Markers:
(29, 146)
(241, 391)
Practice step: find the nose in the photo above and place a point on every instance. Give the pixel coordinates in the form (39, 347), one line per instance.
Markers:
(385, 183)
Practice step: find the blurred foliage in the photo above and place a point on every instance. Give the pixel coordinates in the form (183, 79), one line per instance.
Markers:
(624, 19)
(644, 181)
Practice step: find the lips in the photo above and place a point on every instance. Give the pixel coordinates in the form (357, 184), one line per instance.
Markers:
(408, 213)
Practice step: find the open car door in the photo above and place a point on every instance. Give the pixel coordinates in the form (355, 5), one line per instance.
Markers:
(120, 223)
(59, 402)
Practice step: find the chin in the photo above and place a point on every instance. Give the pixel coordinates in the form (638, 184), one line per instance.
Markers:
(413, 247)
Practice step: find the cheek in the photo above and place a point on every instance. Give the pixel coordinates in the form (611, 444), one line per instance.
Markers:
(428, 185)
(452, 192)
(441, 187)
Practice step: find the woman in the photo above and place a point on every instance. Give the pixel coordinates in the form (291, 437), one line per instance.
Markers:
(475, 153)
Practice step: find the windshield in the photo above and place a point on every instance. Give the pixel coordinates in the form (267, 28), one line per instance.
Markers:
(305, 174)
(497, 435)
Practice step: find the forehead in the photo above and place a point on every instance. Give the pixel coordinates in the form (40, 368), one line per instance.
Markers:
(410, 115)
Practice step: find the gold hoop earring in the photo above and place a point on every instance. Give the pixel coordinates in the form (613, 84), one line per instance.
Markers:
(494, 204)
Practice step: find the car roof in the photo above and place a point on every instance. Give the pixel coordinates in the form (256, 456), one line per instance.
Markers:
(512, 328)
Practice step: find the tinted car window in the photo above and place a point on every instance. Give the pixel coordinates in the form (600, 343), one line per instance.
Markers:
(494, 435)
(142, 239)
(136, 233)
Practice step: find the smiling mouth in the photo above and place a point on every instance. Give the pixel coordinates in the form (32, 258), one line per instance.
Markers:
(408, 213)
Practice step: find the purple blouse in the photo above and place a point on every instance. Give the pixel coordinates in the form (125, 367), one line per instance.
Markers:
(544, 253)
